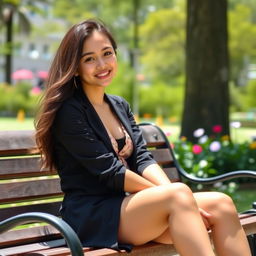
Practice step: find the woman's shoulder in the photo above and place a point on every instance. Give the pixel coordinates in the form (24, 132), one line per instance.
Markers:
(70, 106)
(117, 99)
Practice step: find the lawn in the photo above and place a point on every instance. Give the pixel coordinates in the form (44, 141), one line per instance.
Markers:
(242, 198)
(8, 123)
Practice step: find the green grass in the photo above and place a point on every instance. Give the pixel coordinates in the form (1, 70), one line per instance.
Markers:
(9, 123)
(243, 199)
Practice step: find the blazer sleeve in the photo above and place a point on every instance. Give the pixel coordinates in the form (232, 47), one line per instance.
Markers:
(143, 157)
(72, 131)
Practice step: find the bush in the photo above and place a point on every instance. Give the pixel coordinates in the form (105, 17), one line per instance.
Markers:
(161, 100)
(21, 96)
(214, 156)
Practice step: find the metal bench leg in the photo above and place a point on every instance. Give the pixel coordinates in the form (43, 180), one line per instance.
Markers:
(252, 243)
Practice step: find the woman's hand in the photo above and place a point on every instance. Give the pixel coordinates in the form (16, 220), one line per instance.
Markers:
(206, 218)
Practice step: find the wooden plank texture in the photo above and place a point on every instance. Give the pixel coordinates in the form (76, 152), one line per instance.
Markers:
(28, 235)
(162, 156)
(51, 208)
(17, 140)
(29, 189)
(152, 135)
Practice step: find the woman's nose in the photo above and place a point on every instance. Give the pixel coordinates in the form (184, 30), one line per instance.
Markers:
(101, 63)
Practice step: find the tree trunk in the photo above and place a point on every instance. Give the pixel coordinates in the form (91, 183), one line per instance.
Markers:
(8, 56)
(206, 94)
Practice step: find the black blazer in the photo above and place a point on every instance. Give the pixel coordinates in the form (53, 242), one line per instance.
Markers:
(84, 156)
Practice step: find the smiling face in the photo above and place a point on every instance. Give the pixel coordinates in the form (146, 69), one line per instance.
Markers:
(98, 64)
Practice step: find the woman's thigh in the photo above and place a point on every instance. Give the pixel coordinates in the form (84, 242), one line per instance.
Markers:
(144, 215)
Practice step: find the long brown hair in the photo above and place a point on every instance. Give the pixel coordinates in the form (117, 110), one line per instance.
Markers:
(60, 83)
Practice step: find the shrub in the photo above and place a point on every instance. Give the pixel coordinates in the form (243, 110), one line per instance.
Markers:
(214, 156)
(14, 98)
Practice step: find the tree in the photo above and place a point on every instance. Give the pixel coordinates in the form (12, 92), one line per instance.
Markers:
(207, 70)
(242, 44)
(10, 8)
(163, 58)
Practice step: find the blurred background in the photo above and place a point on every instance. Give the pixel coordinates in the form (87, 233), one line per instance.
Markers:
(189, 66)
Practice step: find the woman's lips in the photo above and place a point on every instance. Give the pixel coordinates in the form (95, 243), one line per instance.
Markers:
(103, 74)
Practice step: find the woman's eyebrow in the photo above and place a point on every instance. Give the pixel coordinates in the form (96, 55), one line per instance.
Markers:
(89, 53)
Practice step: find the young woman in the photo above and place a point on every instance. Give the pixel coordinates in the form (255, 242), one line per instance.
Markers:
(116, 195)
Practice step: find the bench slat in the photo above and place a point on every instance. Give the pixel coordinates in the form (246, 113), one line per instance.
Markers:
(22, 249)
(249, 224)
(172, 174)
(23, 167)
(19, 152)
(151, 134)
(51, 208)
(17, 139)
(28, 235)
(29, 189)
(152, 249)
(162, 156)
(19, 165)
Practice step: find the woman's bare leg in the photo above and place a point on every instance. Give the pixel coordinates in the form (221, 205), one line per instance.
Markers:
(228, 235)
(146, 215)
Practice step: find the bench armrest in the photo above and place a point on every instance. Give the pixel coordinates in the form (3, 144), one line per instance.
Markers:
(218, 178)
(67, 232)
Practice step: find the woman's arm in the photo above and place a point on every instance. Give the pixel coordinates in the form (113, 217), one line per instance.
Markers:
(134, 182)
(155, 175)
(152, 176)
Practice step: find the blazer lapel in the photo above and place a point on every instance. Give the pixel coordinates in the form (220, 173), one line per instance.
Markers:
(121, 113)
(95, 122)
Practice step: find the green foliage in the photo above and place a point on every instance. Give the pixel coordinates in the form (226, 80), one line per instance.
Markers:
(15, 98)
(163, 57)
(251, 93)
(161, 99)
(242, 44)
(123, 82)
(243, 97)
(215, 156)
(237, 98)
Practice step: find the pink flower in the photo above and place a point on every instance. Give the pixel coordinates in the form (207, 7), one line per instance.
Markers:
(197, 149)
(35, 91)
(168, 134)
(217, 128)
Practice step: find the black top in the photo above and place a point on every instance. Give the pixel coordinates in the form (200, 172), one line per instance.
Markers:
(120, 143)
(92, 176)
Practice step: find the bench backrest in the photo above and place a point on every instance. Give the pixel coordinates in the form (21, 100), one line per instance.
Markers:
(24, 187)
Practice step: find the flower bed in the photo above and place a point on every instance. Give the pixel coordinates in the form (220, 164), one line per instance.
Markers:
(215, 155)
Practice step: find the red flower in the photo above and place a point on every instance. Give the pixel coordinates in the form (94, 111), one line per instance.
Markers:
(217, 128)
(197, 149)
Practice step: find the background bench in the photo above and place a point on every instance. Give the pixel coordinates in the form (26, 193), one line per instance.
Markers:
(35, 196)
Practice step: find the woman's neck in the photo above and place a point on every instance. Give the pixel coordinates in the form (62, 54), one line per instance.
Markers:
(95, 95)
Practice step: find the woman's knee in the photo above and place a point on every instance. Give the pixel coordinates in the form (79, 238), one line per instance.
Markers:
(178, 195)
(223, 205)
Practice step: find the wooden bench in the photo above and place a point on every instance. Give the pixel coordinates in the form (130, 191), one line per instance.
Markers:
(29, 195)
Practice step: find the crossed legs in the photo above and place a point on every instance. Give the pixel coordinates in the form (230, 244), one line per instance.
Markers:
(169, 214)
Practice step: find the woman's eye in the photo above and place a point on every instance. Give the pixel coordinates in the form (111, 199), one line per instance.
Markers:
(108, 53)
(89, 59)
